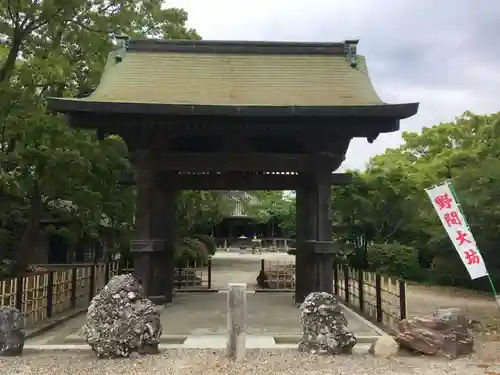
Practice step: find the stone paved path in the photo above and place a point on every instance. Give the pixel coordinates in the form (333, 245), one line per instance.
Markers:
(205, 313)
(232, 267)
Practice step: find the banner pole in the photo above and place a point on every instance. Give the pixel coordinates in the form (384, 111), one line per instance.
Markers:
(452, 189)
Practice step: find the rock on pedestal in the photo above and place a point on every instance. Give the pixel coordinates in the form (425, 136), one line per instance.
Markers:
(324, 326)
(445, 332)
(236, 321)
(11, 331)
(121, 320)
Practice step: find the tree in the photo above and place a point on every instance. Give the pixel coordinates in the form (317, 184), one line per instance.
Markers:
(58, 48)
(386, 205)
(273, 207)
(199, 211)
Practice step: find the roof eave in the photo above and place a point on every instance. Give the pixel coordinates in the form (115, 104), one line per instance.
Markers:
(238, 47)
(73, 106)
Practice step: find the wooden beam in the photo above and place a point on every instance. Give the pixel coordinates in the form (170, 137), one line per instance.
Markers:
(242, 162)
(238, 181)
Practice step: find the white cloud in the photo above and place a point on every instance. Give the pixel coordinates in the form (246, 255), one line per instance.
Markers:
(433, 52)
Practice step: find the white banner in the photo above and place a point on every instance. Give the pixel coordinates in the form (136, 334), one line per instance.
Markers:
(454, 222)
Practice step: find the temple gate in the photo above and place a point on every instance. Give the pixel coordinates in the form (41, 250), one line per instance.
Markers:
(234, 115)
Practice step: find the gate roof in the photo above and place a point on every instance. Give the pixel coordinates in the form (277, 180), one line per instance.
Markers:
(235, 78)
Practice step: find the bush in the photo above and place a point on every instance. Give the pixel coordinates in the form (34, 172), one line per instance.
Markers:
(183, 255)
(449, 270)
(208, 241)
(190, 251)
(395, 259)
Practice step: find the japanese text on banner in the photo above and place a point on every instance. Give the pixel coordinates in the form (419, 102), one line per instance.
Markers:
(455, 225)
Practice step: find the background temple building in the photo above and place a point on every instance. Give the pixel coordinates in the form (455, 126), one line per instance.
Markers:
(241, 223)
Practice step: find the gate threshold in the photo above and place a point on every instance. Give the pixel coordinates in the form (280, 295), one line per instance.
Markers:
(210, 342)
(252, 340)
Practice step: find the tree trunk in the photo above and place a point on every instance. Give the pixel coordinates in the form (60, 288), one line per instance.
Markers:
(28, 241)
(10, 62)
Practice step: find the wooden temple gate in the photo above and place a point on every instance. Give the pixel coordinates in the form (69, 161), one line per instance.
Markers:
(219, 115)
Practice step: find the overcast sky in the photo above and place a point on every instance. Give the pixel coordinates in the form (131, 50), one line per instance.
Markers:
(444, 54)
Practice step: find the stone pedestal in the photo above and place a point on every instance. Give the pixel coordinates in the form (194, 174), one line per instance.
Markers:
(236, 321)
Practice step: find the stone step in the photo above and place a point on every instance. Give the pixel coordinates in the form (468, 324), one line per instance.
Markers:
(182, 339)
(200, 342)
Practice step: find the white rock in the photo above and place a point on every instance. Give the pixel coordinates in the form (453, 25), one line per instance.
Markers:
(115, 327)
(385, 347)
(324, 325)
(131, 296)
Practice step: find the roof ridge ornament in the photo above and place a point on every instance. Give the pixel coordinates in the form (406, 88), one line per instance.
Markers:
(350, 50)
(120, 42)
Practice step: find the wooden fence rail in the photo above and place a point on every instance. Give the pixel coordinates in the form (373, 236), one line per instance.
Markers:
(193, 276)
(56, 290)
(377, 297)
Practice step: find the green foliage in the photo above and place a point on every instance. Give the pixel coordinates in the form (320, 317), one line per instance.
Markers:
(190, 252)
(58, 48)
(274, 207)
(387, 204)
(207, 241)
(394, 259)
(199, 211)
(448, 269)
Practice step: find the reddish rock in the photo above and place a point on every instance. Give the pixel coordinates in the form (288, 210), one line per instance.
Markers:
(445, 332)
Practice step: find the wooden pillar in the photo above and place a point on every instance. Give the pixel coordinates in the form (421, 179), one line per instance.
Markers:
(324, 253)
(315, 250)
(170, 195)
(149, 244)
(303, 258)
(139, 245)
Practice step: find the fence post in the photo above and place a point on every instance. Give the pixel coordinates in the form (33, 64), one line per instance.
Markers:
(402, 299)
(210, 273)
(106, 272)
(92, 282)
(346, 282)
(180, 277)
(19, 293)
(335, 278)
(378, 295)
(74, 271)
(122, 264)
(50, 293)
(361, 290)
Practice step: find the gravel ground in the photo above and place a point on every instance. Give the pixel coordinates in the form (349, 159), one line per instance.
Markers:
(259, 362)
(424, 299)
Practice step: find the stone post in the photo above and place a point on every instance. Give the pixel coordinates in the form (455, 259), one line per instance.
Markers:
(236, 321)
